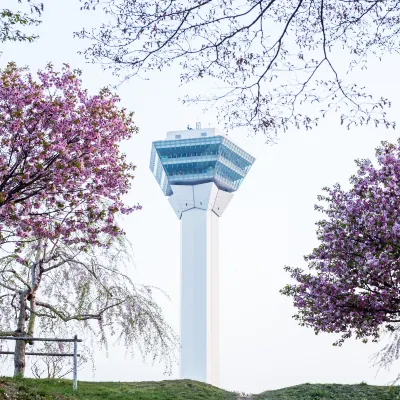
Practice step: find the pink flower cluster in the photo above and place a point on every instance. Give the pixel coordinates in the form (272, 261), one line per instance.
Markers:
(353, 286)
(61, 170)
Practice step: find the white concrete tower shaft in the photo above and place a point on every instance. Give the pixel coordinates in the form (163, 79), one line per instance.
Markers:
(199, 208)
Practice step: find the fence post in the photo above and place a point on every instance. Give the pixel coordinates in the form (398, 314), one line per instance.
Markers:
(75, 378)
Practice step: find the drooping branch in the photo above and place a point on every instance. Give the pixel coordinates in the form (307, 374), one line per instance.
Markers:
(79, 317)
(72, 288)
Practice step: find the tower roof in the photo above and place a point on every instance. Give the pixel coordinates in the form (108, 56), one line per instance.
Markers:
(193, 133)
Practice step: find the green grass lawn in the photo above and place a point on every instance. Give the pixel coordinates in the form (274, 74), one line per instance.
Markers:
(61, 389)
(55, 389)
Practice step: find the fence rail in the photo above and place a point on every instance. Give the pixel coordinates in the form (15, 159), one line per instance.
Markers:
(28, 338)
(43, 354)
(75, 354)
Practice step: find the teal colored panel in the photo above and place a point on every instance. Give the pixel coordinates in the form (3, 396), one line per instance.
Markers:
(199, 160)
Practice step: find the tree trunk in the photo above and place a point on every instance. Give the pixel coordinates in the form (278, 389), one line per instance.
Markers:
(20, 345)
(19, 359)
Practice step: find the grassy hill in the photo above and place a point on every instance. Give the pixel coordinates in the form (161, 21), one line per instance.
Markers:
(61, 389)
(44, 389)
(332, 392)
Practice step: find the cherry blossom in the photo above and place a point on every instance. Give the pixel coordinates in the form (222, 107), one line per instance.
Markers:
(62, 174)
(353, 286)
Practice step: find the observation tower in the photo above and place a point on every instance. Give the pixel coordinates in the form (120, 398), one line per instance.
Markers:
(199, 170)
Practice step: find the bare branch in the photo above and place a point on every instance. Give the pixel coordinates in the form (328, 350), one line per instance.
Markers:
(266, 56)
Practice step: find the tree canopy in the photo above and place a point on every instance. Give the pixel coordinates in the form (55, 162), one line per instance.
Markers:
(353, 284)
(62, 173)
(270, 57)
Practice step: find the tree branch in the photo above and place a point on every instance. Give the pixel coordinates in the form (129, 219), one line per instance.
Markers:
(8, 287)
(78, 317)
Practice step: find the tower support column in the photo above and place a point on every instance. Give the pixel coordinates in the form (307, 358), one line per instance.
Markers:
(199, 296)
(199, 208)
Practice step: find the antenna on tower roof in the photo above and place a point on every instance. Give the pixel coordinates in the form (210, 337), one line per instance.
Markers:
(198, 125)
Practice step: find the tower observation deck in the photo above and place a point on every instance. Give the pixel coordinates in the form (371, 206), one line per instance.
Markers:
(199, 170)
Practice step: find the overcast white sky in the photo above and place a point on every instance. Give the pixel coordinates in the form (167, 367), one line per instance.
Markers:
(269, 224)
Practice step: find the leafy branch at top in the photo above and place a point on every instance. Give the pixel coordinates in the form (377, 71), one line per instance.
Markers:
(11, 23)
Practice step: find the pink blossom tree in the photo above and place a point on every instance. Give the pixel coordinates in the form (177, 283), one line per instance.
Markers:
(62, 178)
(353, 286)
(61, 171)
